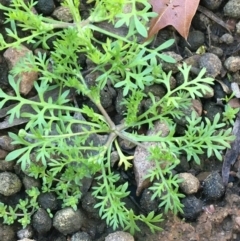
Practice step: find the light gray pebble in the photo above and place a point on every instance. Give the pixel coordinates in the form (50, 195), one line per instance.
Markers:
(232, 63)
(68, 221)
(81, 236)
(232, 9)
(9, 183)
(226, 38)
(25, 232)
(119, 236)
(212, 64)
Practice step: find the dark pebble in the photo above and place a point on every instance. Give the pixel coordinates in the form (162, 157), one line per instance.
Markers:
(42, 223)
(213, 187)
(46, 7)
(192, 207)
(48, 200)
(211, 109)
(148, 205)
(194, 41)
(88, 203)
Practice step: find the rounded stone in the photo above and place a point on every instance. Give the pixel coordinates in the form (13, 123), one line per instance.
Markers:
(25, 232)
(226, 38)
(213, 187)
(147, 204)
(195, 40)
(212, 64)
(119, 236)
(48, 200)
(7, 233)
(81, 236)
(63, 14)
(9, 183)
(68, 221)
(190, 183)
(88, 203)
(232, 9)
(232, 63)
(46, 7)
(42, 223)
(192, 207)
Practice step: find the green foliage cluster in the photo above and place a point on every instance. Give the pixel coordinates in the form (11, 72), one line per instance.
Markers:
(58, 144)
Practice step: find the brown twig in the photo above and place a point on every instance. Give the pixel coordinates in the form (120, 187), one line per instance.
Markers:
(215, 18)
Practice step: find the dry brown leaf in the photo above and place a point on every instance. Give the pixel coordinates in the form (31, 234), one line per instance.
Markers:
(178, 13)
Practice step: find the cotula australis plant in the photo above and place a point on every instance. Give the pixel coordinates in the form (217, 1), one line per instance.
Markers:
(60, 137)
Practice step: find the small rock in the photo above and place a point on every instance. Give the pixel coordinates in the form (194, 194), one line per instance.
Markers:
(209, 93)
(106, 96)
(6, 165)
(126, 145)
(212, 64)
(9, 183)
(183, 166)
(211, 4)
(86, 182)
(155, 89)
(41, 221)
(195, 40)
(196, 106)
(26, 239)
(81, 236)
(46, 7)
(147, 103)
(30, 182)
(193, 61)
(25, 232)
(7, 233)
(219, 93)
(48, 200)
(232, 9)
(216, 50)
(213, 186)
(169, 66)
(63, 14)
(234, 103)
(232, 63)
(119, 236)
(192, 207)
(210, 109)
(13, 56)
(141, 155)
(6, 143)
(88, 203)
(68, 221)
(147, 204)
(226, 38)
(200, 21)
(190, 183)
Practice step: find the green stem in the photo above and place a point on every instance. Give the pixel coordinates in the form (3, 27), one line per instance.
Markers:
(106, 116)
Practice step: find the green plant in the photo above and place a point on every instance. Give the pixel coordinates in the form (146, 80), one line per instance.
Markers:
(61, 142)
(229, 113)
